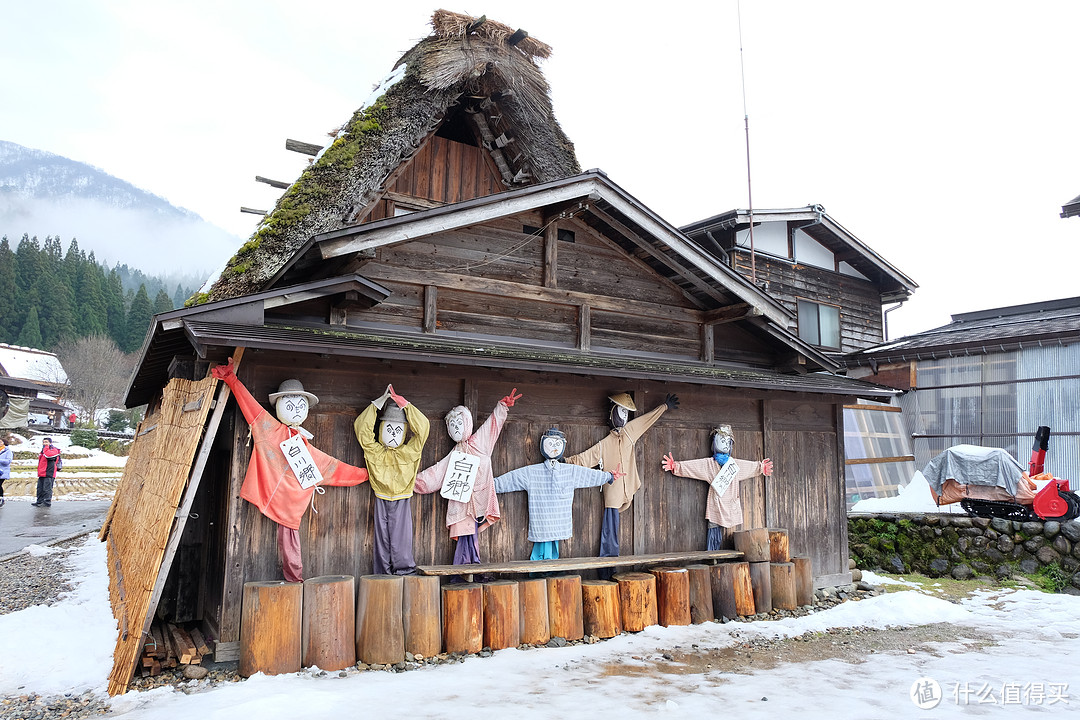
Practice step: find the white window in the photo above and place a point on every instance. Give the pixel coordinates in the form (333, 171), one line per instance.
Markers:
(819, 324)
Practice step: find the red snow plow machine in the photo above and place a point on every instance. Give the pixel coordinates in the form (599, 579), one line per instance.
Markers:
(989, 482)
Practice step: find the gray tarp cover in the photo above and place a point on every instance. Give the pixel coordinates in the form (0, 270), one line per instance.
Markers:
(974, 465)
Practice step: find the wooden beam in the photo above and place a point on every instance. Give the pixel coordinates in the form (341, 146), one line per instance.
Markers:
(708, 344)
(431, 308)
(503, 288)
(272, 183)
(584, 327)
(551, 256)
(731, 313)
(303, 148)
(252, 211)
(871, 461)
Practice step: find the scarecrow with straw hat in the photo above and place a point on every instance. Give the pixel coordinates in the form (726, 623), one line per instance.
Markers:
(723, 507)
(615, 450)
(285, 471)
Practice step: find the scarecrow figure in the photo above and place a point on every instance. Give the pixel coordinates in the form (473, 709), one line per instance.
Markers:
(618, 449)
(285, 470)
(465, 477)
(392, 463)
(551, 486)
(723, 508)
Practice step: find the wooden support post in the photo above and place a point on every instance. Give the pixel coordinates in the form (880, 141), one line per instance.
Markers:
(564, 607)
(778, 546)
(431, 308)
(672, 595)
(761, 580)
(551, 255)
(535, 628)
(782, 577)
(701, 605)
(463, 617)
(753, 544)
(329, 622)
(637, 600)
(804, 580)
(421, 611)
(380, 633)
(502, 614)
(270, 628)
(600, 608)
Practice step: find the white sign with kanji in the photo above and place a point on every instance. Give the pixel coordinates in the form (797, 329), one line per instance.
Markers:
(723, 478)
(460, 477)
(301, 462)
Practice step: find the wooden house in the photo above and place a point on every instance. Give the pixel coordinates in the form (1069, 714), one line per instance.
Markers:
(834, 285)
(448, 243)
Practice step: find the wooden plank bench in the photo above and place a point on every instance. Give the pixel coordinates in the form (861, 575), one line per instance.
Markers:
(518, 567)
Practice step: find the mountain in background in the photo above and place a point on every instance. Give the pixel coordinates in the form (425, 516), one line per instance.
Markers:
(42, 194)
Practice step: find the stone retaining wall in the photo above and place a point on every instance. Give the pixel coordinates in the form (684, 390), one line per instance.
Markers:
(962, 547)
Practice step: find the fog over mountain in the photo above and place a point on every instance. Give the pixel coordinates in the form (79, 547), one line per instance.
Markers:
(45, 194)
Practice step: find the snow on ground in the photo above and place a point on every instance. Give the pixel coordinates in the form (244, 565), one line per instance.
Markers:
(1013, 651)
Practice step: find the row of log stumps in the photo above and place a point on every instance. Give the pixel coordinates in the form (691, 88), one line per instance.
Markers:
(286, 626)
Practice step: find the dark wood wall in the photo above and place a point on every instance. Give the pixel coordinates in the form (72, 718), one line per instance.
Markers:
(859, 300)
(799, 432)
(442, 171)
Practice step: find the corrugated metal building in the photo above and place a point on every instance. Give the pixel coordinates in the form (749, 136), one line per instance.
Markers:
(987, 378)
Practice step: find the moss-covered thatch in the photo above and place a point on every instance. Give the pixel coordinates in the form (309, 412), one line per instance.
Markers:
(462, 57)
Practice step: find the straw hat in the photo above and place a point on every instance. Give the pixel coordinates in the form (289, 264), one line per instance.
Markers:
(293, 387)
(623, 400)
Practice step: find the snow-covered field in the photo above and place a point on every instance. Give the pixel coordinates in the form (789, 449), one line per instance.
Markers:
(1005, 651)
(87, 474)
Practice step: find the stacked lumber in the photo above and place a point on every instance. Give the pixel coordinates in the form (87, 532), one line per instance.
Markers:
(168, 646)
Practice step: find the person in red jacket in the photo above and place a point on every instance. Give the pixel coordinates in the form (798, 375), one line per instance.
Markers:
(285, 471)
(49, 462)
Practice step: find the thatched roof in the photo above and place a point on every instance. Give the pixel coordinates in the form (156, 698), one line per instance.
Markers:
(465, 61)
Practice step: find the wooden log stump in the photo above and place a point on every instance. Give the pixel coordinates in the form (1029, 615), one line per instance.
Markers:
(463, 617)
(804, 580)
(732, 579)
(782, 577)
(502, 614)
(753, 544)
(380, 632)
(637, 600)
(701, 605)
(600, 608)
(761, 580)
(535, 628)
(421, 611)
(329, 622)
(672, 595)
(271, 622)
(778, 546)
(564, 607)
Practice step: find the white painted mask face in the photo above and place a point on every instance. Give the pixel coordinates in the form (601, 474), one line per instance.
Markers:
(619, 416)
(392, 434)
(722, 444)
(551, 447)
(455, 426)
(292, 409)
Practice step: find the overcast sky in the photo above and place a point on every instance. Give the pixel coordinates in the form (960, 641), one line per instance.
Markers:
(942, 134)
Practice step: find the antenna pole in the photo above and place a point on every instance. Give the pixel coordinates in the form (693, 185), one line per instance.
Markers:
(746, 125)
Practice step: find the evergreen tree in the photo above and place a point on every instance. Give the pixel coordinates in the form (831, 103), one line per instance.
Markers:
(30, 335)
(114, 309)
(9, 298)
(138, 320)
(73, 260)
(162, 302)
(92, 317)
(179, 297)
